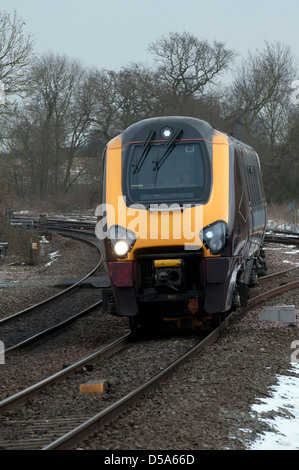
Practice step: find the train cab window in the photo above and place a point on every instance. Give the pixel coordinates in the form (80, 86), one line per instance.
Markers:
(158, 174)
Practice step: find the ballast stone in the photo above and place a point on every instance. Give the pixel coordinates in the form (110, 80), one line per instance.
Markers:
(285, 314)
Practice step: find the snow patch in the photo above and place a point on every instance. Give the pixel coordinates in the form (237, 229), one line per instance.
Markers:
(281, 412)
(53, 257)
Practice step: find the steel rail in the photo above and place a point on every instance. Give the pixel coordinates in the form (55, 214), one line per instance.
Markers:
(45, 302)
(54, 328)
(23, 395)
(54, 297)
(280, 273)
(291, 238)
(97, 422)
(273, 292)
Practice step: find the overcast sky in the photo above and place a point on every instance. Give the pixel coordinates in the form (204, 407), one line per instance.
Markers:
(112, 33)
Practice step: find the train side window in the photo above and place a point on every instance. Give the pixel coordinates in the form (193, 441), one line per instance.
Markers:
(254, 185)
(237, 168)
(244, 175)
(257, 182)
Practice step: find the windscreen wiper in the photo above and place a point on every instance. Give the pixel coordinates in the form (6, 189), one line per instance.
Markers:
(169, 146)
(145, 150)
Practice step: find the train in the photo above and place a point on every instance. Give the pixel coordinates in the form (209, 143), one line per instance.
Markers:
(181, 223)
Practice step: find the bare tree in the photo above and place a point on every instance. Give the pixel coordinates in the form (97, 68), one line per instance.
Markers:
(136, 94)
(58, 80)
(53, 125)
(80, 122)
(123, 97)
(15, 54)
(260, 93)
(105, 93)
(186, 64)
(5, 187)
(183, 69)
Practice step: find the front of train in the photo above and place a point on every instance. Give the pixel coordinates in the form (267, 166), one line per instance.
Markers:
(163, 221)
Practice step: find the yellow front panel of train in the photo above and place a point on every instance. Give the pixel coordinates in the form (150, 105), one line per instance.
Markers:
(171, 226)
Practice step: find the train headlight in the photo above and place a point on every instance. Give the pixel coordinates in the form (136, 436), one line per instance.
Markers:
(166, 132)
(214, 237)
(122, 240)
(121, 248)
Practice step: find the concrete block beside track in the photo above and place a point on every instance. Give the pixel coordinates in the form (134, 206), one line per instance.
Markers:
(94, 386)
(285, 314)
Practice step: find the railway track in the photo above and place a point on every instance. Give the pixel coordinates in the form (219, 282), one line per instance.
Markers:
(281, 236)
(98, 421)
(52, 314)
(79, 366)
(86, 424)
(76, 428)
(42, 321)
(75, 372)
